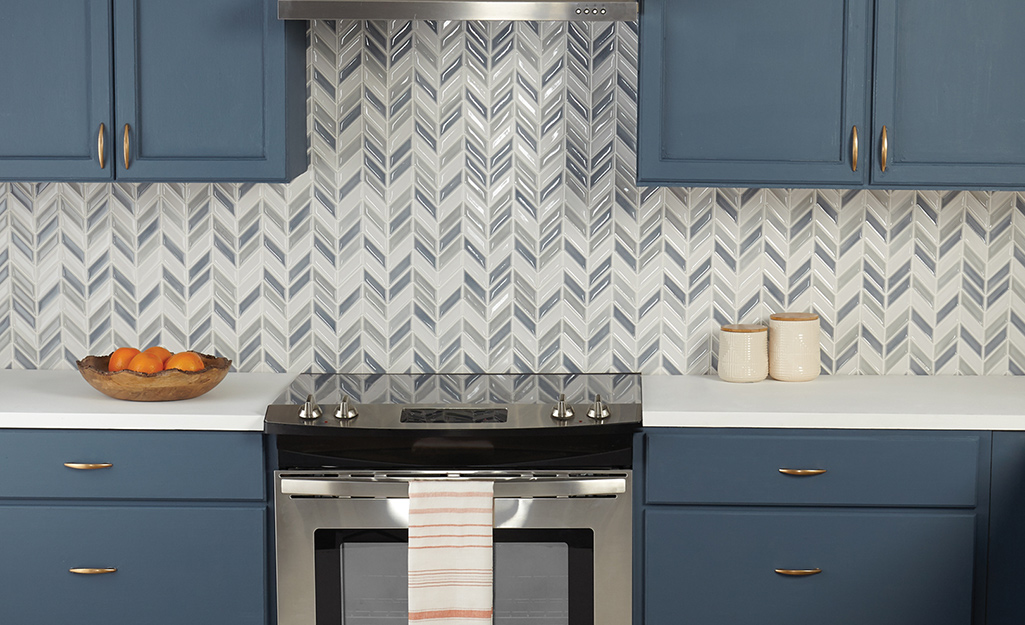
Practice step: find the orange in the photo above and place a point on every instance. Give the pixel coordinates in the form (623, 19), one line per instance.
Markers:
(159, 352)
(120, 358)
(185, 361)
(146, 363)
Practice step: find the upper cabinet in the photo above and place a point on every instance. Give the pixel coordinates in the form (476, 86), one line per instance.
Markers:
(766, 92)
(950, 88)
(151, 90)
(783, 93)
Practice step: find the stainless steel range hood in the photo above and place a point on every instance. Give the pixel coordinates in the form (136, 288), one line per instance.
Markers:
(543, 10)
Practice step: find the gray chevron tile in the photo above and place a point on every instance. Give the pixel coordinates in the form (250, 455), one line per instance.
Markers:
(471, 205)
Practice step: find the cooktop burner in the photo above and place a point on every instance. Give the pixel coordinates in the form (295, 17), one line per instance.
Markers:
(321, 403)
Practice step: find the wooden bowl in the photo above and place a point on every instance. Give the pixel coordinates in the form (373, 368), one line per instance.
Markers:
(167, 385)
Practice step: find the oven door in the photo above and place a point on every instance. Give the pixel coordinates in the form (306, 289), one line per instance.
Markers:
(562, 547)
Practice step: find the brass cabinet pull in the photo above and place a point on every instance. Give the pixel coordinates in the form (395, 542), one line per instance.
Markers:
(88, 465)
(86, 571)
(100, 148)
(798, 572)
(854, 149)
(802, 472)
(884, 149)
(126, 146)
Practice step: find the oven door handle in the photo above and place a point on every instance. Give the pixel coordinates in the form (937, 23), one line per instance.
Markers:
(399, 489)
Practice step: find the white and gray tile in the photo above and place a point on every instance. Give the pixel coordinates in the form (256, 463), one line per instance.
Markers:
(471, 206)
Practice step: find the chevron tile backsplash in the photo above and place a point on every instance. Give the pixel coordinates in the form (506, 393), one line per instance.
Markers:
(471, 206)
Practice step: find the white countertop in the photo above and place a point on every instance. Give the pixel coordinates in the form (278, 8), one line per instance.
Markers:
(62, 399)
(838, 401)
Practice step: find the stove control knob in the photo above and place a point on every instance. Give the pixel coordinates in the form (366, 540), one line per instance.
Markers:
(310, 410)
(562, 410)
(346, 410)
(598, 409)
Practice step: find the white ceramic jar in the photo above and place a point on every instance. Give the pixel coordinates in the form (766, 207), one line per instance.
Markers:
(794, 347)
(743, 352)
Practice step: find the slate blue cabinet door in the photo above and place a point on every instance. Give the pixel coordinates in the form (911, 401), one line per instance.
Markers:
(1005, 596)
(884, 568)
(950, 83)
(55, 89)
(175, 565)
(208, 90)
(752, 91)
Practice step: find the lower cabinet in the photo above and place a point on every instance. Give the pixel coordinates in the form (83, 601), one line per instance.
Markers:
(1005, 592)
(840, 527)
(121, 527)
(817, 566)
(120, 565)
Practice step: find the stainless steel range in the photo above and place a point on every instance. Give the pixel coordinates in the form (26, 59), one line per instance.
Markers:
(558, 448)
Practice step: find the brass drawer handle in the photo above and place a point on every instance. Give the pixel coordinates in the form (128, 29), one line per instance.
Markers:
(854, 149)
(101, 150)
(88, 465)
(126, 146)
(884, 149)
(802, 472)
(798, 572)
(86, 571)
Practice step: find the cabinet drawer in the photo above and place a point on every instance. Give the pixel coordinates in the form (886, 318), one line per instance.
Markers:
(871, 469)
(197, 565)
(144, 464)
(885, 568)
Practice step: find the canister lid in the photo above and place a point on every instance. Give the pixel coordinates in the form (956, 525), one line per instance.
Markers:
(744, 327)
(794, 316)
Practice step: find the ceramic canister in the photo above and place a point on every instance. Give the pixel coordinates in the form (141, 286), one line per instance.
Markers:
(743, 352)
(794, 346)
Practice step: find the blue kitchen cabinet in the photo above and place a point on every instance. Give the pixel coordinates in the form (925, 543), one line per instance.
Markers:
(202, 565)
(753, 92)
(880, 567)
(152, 90)
(57, 89)
(949, 82)
(779, 526)
(1005, 597)
(148, 527)
(749, 93)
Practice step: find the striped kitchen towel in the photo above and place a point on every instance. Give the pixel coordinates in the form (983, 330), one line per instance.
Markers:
(450, 555)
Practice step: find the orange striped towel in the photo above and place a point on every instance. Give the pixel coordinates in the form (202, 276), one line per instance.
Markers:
(450, 556)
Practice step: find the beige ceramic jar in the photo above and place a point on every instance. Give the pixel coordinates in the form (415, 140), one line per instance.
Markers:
(794, 346)
(743, 352)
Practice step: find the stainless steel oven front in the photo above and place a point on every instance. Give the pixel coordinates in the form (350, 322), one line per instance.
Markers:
(562, 545)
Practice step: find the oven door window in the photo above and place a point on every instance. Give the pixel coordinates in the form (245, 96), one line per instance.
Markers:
(541, 577)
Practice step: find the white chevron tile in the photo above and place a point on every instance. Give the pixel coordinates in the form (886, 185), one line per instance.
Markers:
(999, 249)
(471, 205)
(6, 331)
(1016, 326)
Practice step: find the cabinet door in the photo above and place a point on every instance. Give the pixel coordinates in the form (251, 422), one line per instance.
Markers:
(199, 565)
(203, 89)
(148, 464)
(949, 88)
(56, 81)
(1005, 601)
(884, 568)
(753, 92)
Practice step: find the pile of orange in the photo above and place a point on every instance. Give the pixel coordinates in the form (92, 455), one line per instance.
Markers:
(153, 360)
